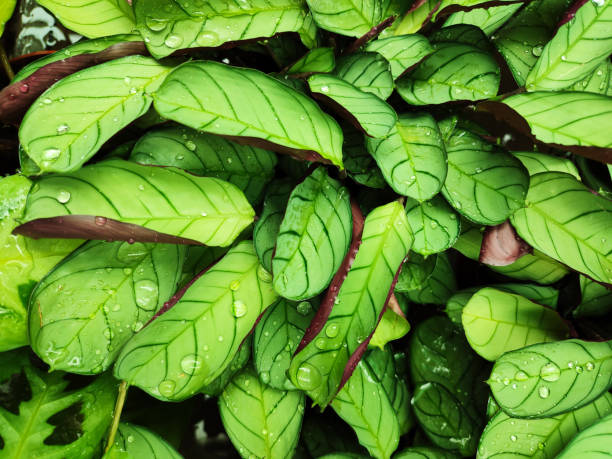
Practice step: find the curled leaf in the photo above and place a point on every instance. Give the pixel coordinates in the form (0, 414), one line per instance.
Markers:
(501, 246)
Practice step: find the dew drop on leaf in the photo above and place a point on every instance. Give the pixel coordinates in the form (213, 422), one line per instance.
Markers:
(332, 330)
(263, 275)
(51, 154)
(239, 308)
(521, 376)
(265, 377)
(207, 38)
(308, 377)
(589, 366)
(191, 364)
(62, 129)
(544, 392)
(145, 292)
(63, 196)
(550, 372)
(131, 253)
(155, 25)
(166, 388)
(190, 146)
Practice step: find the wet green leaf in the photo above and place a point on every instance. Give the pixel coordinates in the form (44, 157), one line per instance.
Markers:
(347, 17)
(536, 162)
(134, 441)
(596, 299)
(488, 19)
(592, 442)
(392, 326)
(434, 224)
(402, 52)
(438, 287)
(316, 60)
(369, 72)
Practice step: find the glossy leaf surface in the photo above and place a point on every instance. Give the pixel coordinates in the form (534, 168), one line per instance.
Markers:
(369, 72)
(132, 441)
(402, 51)
(434, 224)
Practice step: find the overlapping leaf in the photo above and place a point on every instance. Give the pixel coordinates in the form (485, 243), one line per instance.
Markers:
(434, 224)
(347, 17)
(316, 60)
(591, 442)
(370, 72)
(242, 357)
(438, 287)
(200, 334)
(598, 81)
(402, 51)
(170, 201)
(261, 421)
(487, 19)
(392, 326)
(132, 441)
(209, 96)
(595, 301)
(536, 162)
(360, 165)
(424, 452)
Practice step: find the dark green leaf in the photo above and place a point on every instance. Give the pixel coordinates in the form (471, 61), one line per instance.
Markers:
(316, 60)
(415, 273)
(434, 224)
(596, 300)
(360, 164)
(369, 72)
(438, 287)
(424, 452)
(134, 441)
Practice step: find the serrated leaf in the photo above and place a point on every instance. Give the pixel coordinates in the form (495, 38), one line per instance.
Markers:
(592, 442)
(214, 213)
(209, 96)
(313, 237)
(434, 224)
(392, 326)
(412, 157)
(169, 26)
(487, 19)
(360, 164)
(577, 48)
(513, 323)
(250, 169)
(551, 378)
(261, 421)
(84, 311)
(202, 331)
(52, 421)
(402, 51)
(132, 441)
(565, 118)
(536, 162)
(546, 437)
(596, 299)
(367, 111)
(276, 338)
(268, 225)
(59, 134)
(483, 183)
(369, 72)
(364, 404)
(438, 287)
(316, 60)
(455, 71)
(319, 368)
(97, 18)
(346, 17)
(566, 221)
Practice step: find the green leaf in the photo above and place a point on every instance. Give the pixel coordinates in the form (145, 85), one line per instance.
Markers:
(313, 238)
(483, 183)
(455, 71)
(513, 323)
(216, 386)
(592, 442)
(198, 258)
(415, 273)
(488, 19)
(6, 11)
(200, 334)
(566, 221)
(214, 213)
(363, 403)
(402, 52)
(577, 48)
(392, 326)
(316, 60)
(316, 435)
(523, 37)
(84, 311)
(23, 262)
(565, 118)
(169, 26)
(134, 441)
(373, 115)
(438, 287)
(347, 17)
(467, 34)
(276, 338)
(250, 169)
(369, 72)
(597, 81)
(596, 300)
(69, 123)
(536, 162)
(46, 419)
(267, 226)
(261, 421)
(360, 164)
(445, 420)
(92, 19)
(209, 96)
(412, 157)
(456, 303)
(551, 378)
(512, 437)
(434, 224)
(424, 452)
(319, 367)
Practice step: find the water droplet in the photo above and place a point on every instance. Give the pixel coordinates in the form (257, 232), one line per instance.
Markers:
(131, 253)
(207, 38)
(308, 377)
(544, 392)
(51, 154)
(47, 101)
(156, 25)
(537, 50)
(320, 343)
(550, 372)
(145, 292)
(433, 224)
(190, 145)
(130, 438)
(599, 2)
(234, 285)
(265, 377)
(506, 381)
(191, 364)
(100, 221)
(108, 333)
(521, 376)
(263, 275)
(117, 307)
(579, 369)
(225, 60)
(24, 88)
(166, 388)
(220, 338)
(62, 129)
(513, 437)
(133, 90)
(563, 58)
(239, 308)
(589, 366)
(332, 330)
(63, 196)
(324, 88)
(303, 307)
(570, 364)
(137, 327)
(173, 41)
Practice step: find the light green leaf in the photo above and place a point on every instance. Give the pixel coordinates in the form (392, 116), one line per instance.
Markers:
(276, 338)
(566, 221)
(363, 403)
(488, 19)
(347, 17)
(597, 81)
(565, 118)
(249, 168)
(198, 337)
(541, 438)
(69, 122)
(467, 34)
(483, 183)
(596, 299)
(316, 60)
(438, 287)
(134, 441)
(548, 379)
(434, 224)
(267, 226)
(6, 11)
(370, 72)
(170, 201)
(92, 19)
(84, 311)
(313, 237)
(412, 157)
(168, 26)
(577, 48)
(209, 96)
(593, 442)
(402, 52)
(373, 115)
(392, 326)
(455, 71)
(514, 322)
(424, 452)
(536, 162)
(359, 163)
(216, 386)
(319, 367)
(261, 421)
